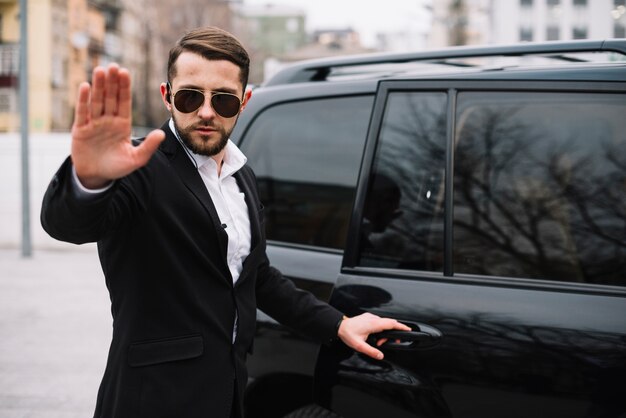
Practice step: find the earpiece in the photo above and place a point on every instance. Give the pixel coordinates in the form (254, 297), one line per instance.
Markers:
(169, 92)
(168, 96)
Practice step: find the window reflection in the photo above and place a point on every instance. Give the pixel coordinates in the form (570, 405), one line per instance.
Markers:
(540, 186)
(402, 226)
(306, 156)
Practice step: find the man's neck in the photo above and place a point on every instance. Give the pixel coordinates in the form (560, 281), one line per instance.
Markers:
(219, 160)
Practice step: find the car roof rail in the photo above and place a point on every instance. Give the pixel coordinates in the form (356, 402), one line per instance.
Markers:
(320, 69)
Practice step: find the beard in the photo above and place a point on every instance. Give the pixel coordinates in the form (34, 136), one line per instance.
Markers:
(204, 145)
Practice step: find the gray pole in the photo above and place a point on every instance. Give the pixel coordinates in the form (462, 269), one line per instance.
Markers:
(24, 121)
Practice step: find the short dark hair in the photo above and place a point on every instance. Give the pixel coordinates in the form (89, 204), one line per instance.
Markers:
(213, 44)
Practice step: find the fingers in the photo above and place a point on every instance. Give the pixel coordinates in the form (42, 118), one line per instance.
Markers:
(97, 92)
(368, 350)
(378, 324)
(111, 92)
(400, 326)
(82, 112)
(355, 331)
(149, 146)
(125, 98)
(388, 323)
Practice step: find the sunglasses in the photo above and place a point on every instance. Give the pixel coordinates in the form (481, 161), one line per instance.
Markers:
(226, 105)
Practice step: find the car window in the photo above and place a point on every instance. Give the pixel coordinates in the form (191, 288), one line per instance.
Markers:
(402, 224)
(306, 156)
(540, 186)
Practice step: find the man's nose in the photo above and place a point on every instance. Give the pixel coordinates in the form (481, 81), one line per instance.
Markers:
(206, 110)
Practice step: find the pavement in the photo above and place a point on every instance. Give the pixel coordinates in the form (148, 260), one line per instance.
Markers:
(55, 330)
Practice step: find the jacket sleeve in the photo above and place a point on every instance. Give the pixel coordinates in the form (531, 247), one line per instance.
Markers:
(278, 296)
(298, 309)
(67, 216)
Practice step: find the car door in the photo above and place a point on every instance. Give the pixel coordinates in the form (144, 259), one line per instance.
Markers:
(490, 217)
(305, 147)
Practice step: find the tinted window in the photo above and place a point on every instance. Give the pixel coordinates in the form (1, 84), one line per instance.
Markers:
(540, 186)
(306, 156)
(402, 225)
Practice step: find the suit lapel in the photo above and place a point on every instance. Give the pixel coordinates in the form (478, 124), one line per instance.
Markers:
(245, 183)
(188, 173)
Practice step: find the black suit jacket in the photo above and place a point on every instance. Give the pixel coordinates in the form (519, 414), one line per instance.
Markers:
(163, 253)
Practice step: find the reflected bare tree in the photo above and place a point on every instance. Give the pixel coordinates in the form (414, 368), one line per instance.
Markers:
(529, 204)
(558, 361)
(531, 198)
(412, 155)
(488, 351)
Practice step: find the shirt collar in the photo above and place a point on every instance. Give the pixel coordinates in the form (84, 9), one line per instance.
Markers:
(234, 159)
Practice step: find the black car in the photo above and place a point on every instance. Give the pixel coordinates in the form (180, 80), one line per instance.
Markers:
(476, 194)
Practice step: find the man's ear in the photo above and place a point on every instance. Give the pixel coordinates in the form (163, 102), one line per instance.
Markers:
(246, 97)
(166, 95)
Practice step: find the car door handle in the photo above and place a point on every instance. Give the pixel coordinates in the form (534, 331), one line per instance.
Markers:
(421, 337)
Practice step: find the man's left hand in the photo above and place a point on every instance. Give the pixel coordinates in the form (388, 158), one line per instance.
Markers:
(354, 332)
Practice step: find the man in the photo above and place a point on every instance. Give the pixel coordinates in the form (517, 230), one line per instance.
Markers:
(180, 235)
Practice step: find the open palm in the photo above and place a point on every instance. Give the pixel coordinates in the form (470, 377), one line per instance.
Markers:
(101, 147)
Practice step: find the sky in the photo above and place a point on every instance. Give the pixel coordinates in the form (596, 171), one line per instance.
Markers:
(365, 16)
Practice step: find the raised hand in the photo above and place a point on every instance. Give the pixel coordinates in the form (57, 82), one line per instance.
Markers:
(101, 146)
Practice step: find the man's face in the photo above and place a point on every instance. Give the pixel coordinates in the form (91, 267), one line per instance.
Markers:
(204, 131)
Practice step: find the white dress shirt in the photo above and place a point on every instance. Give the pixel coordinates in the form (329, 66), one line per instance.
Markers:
(228, 199)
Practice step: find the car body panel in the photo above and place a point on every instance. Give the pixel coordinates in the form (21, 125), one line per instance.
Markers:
(508, 347)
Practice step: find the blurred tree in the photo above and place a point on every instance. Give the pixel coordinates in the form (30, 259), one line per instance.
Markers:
(458, 23)
(165, 23)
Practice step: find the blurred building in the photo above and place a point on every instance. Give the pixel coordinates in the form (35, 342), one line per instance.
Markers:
(551, 20)
(472, 22)
(69, 38)
(324, 43)
(268, 31)
(9, 65)
(78, 23)
(134, 39)
(403, 40)
(272, 28)
(328, 43)
(47, 63)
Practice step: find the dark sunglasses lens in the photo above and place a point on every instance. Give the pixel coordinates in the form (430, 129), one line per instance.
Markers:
(226, 105)
(187, 101)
